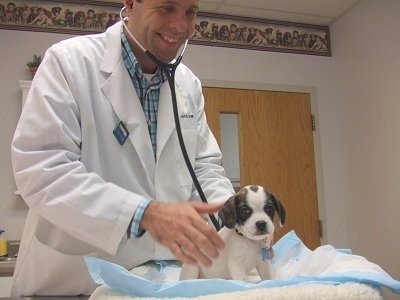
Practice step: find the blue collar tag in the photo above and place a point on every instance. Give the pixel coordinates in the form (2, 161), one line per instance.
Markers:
(265, 253)
(121, 133)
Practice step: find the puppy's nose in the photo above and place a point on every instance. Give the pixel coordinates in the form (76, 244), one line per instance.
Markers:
(261, 225)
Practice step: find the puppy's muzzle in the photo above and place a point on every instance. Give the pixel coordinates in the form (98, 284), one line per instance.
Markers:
(261, 227)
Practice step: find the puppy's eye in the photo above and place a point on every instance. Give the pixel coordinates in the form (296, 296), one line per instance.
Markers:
(269, 209)
(245, 211)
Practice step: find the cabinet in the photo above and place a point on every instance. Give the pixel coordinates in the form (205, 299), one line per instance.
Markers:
(25, 85)
(5, 286)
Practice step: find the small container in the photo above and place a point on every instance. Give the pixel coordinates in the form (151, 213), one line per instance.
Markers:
(3, 244)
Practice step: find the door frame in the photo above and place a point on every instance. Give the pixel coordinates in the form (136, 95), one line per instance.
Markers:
(316, 133)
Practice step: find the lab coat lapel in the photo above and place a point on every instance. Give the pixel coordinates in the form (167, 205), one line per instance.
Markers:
(121, 93)
(165, 118)
(127, 107)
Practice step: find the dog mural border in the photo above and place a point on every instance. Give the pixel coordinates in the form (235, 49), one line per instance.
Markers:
(62, 16)
(219, 30)
(271, 34)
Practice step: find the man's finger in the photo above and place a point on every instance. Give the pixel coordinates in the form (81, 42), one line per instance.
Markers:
(211, 235)
(181, 255)
(191, 248)
(209, 242)
(203, 208)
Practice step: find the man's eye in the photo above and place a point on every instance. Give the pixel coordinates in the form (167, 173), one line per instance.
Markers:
(169, 8)
(192, 12)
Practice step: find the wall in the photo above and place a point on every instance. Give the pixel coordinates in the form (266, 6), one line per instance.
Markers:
(357, 119)
(16, 48)
(367, 72)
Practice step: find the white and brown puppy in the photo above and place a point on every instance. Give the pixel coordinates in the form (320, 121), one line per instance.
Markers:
(248, 219)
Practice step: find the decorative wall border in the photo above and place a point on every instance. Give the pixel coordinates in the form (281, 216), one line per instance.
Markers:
(261, 34)
(62, 16)
(83, 17)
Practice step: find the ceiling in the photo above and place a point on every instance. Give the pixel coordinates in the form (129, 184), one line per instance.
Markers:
(320, 12)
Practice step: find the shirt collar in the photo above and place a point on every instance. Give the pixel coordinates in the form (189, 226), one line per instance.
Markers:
(132, 61)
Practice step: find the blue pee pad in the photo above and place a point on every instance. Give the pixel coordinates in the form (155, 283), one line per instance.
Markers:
(291, 262)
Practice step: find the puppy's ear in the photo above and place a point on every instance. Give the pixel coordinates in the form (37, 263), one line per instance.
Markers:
(228, 213)
(280, 210)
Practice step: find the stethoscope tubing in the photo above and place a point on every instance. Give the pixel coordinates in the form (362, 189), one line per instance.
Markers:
(169, 70)
(170, 73)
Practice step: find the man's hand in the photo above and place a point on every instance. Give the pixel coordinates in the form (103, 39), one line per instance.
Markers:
(181, 228)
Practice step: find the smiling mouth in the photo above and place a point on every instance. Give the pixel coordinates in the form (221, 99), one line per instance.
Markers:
(170, 40)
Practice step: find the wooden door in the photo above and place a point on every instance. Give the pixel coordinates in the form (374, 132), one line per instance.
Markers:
(276, 150)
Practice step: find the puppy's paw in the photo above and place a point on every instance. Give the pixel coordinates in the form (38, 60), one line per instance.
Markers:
(266, 271)
(252, 279)
(189, 272)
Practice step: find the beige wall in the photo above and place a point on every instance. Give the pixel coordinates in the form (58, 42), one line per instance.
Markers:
(356, 95)
(367, 72)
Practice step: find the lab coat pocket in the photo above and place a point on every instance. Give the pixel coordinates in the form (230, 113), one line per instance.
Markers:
(53, 237)
(189, 137)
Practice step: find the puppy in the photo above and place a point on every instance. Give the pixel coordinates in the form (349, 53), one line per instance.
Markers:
(248, 219)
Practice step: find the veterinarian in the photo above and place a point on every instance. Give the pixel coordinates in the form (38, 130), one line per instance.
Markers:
(97, 160)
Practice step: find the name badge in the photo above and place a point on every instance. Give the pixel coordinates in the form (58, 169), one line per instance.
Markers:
(121, 133)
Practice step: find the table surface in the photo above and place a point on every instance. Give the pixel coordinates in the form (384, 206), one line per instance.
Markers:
(49, 298)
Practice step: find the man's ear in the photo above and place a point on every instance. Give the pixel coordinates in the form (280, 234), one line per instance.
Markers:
(128, 3)
(228, 213)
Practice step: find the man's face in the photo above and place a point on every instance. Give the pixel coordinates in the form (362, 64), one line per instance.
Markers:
(162, 26)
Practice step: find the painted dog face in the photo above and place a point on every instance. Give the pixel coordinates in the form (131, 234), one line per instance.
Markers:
(251, 211)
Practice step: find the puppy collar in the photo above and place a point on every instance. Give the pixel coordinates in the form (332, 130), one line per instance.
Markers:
(238, 232)
(265, 244)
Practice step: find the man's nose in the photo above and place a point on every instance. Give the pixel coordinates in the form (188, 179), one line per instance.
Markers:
(181, 23)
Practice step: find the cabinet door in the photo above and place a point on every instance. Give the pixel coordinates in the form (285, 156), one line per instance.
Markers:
(5, 287)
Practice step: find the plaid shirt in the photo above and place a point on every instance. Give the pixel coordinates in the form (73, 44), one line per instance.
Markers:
(149, 96)
(147, 91)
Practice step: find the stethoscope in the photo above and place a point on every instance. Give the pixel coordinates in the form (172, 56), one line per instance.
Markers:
(169, 70)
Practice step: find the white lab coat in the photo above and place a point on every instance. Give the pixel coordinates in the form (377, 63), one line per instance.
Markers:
(82, 187)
